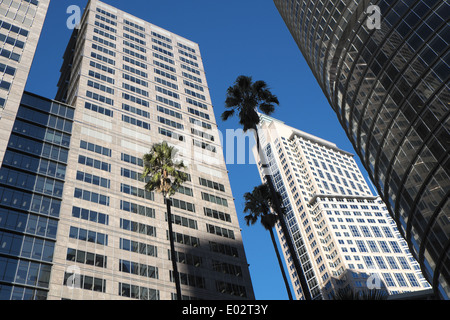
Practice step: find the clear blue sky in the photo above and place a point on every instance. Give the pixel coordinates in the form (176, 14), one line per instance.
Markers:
(236, 37)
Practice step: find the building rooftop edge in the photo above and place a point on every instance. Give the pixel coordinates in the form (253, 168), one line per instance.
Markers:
(297, 132)
(45, 98)
(341, 196)
(142, 20)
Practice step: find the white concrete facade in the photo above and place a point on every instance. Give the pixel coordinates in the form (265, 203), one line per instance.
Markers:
(134, 84)
(343, 234)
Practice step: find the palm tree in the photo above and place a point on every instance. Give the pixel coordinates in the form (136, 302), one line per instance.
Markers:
(259, 203)
(246, 98)
(165, 176)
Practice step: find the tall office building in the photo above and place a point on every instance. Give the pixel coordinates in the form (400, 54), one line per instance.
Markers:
(125, 84)
(134, 84)
(21, 23)
(343, 235)
(387, 81)
(32, 179)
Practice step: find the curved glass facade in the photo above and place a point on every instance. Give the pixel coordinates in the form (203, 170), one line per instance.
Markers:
(390, 89)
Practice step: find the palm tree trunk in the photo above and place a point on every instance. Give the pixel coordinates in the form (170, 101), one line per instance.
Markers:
(292, 251)
(173, 256)
(286, 283)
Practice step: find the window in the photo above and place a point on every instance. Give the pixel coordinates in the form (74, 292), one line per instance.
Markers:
(135, 71)
(193, 85)
(134, 99)
(138, 269)
(161, 37)
(134, 89)
(96, 108)
(138, 192)
(200, 123)
(135, 80)
(99, 97)
(136, 292)
(223, 249)
(361, 246)
(392, 263)
(168, 102)
(404, 263)
(400, 279)
(170, 134)
(170, 54)
(166, 83)
(376, 231)
(132, 159)
(231, 289)
(395, 247)
(95, 148)
(412, 280)
(165, 74)
(88, 258)
(373, 246)
(170, 123)
(101, 67)
(90, 215)
(91, 196)
(198, 113)
(93, 179)
(184, 205)
(389, 280)
(226, 233)
(217, 214)
(169, 112)
(387, 232)
(380, 262)
(204, 145)
(184, 239)
(138, 227)
(138, 247)
(89, 236)
(85, 282)
(182, 221)
(189, 76)
(138, 209)
(355, 231)
(214, 199)
(211, 184)
(136, 122)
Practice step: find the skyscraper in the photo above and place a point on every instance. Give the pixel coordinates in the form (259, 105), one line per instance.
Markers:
(134, 84)
(387, 81)
(343, 235)
(32, 179)
(127, 84)
(21, 23)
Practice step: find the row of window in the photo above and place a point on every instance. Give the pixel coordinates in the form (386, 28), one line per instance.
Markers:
(26, 247)
(28, 223)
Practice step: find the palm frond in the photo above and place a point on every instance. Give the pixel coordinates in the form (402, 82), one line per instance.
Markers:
(227, 114)
(245, 97)
(162, 171)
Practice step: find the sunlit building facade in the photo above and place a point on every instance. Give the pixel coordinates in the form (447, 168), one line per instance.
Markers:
(125, 84)
(344, 236)
(21, 23)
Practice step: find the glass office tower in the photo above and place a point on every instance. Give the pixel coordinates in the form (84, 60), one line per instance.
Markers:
(344, 236)
(32, 179)
(133, 84)
(21, 23)
(388, 85)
